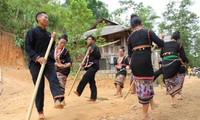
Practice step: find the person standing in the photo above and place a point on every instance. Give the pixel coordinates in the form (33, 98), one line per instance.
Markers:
(139, 50)
(36, 43)
(121, 65)
(91, 65)
(63, 62)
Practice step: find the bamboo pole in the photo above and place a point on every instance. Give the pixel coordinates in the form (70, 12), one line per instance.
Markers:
(79, 69)
(38, 80)
(129, 89)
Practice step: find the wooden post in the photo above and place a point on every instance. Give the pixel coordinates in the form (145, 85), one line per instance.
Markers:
(38, 80)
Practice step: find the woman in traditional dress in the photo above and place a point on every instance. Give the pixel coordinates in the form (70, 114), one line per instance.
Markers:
(173, 62)
(139, 49)
(62, 62)
(121, 65)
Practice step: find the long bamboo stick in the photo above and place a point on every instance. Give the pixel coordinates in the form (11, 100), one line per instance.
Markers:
(38, 80)
(129, 89)
(79, 69)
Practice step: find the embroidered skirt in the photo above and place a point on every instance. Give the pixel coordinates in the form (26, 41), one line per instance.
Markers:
(119, 80)
(62, 80)
(181, 79)
(174, 84)
(144, 89)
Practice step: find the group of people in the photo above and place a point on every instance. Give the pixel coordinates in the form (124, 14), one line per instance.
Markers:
(58, 64)
(173, 65)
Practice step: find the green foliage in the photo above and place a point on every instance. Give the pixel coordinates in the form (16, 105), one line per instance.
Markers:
(99, 40)
(78, 19)
(98, 8)
(146, 13)
(74, 18)
(195, 52)
(178, 17)
(19, 41)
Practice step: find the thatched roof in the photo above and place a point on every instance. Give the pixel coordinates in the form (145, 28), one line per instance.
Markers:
(107, 30)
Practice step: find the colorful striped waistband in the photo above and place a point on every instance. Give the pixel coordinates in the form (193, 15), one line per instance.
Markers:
(143, 77)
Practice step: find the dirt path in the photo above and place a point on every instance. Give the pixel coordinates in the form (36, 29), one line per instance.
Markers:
(17, 91)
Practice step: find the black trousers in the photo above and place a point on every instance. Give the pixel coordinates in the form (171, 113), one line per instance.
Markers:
(89, 77)
(157, 74)
(50, 74)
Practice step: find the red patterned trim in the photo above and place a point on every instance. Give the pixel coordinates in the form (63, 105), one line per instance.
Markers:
(143, 77)
(58, 96)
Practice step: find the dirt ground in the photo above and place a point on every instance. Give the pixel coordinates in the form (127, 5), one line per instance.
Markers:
(11, 55)
(16, 90)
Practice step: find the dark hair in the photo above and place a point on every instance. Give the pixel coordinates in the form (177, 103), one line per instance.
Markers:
(38, 14)
(135, 21)
(122, 47)
(90, 36)
(176, 35)
(64, 36)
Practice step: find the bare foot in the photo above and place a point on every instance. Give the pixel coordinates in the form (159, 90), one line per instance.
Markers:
(173, 104)
(41, 116)
(174, 101)
(58, 105)
(63, 103)
(116, 94)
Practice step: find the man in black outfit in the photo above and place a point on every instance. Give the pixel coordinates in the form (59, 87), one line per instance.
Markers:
(37, 40)
(91, 65)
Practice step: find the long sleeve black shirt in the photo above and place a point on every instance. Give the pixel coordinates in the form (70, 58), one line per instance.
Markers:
(141, 37)
(36, 43)
(174, 47)
(93, 57)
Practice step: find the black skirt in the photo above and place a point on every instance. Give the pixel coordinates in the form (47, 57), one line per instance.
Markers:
(141, 64)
